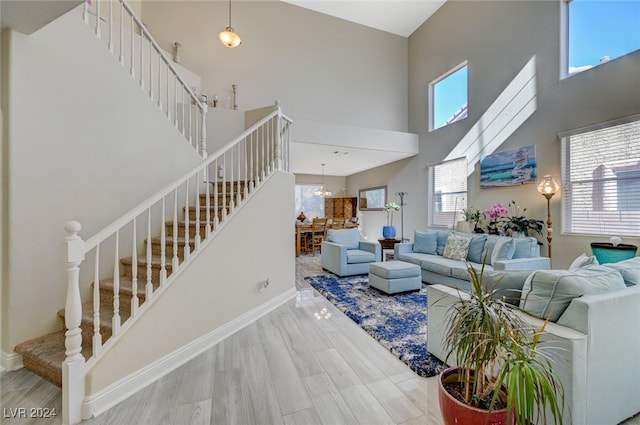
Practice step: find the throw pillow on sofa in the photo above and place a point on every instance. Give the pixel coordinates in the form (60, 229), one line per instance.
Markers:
(582, 261)
(547, 293)
(457, 247)
(629, 269)
(476, 248)
(425, 242)
(442, 241)
(503, 249)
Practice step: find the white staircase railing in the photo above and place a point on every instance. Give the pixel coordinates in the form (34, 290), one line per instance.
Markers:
(126, 37)
(204, 199)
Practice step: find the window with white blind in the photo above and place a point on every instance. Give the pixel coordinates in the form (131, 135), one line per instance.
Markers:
(448, 192)
(307, 202)
(601, 179)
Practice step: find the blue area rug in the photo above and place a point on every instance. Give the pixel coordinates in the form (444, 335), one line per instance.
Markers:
(398, 322)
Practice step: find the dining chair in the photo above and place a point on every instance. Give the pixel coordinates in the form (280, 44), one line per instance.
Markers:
(337, 223)
(318, 233)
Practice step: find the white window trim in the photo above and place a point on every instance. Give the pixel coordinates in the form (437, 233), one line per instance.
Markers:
(432, 96)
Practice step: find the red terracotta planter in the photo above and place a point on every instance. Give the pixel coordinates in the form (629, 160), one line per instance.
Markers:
(455, 412)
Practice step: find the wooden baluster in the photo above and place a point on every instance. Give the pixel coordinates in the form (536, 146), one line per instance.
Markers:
(73, 367)
(159, 81)
(187, 248)
(183, 117)
(168, 93)
(149, 286)
(232, 189)
(163, 246)
(246, 168)
(175, 260)
(224, 186)
(121, 34)
(85, 13)
(251, 161)
(197, 239)
(132, 70)
(151, 69)
(279, 137)
(208, 208)
(115, 321)
(97, 338)
(203, 131)
(193, 142)
(141, 59)
(134, 272)
(216, 220)
(238, 177)
(263, 156)
(98, 19)
(110, 43)
(175, 101)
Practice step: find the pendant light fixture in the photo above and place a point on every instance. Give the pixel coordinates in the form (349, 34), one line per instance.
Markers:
(323, 190)
(229, 37)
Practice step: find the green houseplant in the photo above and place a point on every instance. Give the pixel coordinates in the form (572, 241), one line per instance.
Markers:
(501, 364)
(473, 216)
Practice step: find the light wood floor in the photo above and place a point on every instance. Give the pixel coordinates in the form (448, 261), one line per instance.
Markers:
(303, 364)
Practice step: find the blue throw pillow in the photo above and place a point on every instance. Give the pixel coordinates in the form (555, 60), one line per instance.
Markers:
(442, 241)
(425, 242)
(503, 250)
(476, 248)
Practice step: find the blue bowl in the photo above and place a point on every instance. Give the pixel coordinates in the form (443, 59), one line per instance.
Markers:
(607, 253)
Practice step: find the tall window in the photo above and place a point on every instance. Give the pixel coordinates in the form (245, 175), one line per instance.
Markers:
(601, 175)
(448, 97)
(599, 31)
(307, 202)
(448, 192)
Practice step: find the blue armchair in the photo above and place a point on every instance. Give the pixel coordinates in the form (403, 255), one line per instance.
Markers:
(344, 254)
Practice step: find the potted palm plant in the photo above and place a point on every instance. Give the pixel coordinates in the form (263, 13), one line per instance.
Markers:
(504, 375)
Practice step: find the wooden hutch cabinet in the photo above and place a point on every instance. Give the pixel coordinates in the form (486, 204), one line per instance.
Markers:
(341, 207)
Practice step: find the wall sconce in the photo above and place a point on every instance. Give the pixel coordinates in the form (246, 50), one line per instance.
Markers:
(547, 188)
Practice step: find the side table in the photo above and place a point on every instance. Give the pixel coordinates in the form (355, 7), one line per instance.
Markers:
(387, 243)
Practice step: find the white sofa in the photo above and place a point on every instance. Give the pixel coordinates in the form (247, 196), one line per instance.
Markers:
(598, 341)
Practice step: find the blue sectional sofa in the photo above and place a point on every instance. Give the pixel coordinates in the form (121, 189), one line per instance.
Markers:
(442, 255)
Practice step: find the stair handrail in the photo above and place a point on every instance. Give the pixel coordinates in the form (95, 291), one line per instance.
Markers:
(261, 149)
(193, 98)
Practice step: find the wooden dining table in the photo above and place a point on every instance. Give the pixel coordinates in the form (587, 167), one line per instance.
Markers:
(302, 228)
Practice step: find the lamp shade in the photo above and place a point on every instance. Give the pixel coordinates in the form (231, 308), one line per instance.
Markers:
(548, 185)
(229, 38)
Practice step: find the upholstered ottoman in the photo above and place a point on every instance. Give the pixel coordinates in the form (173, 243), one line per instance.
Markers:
(394, 276)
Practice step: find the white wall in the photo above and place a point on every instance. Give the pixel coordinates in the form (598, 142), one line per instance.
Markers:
(319, 67)
(85, 143)
(219, 286)
(498, 39)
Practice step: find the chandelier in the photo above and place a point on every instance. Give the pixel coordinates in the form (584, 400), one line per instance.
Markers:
(323, 190)
(229, 37)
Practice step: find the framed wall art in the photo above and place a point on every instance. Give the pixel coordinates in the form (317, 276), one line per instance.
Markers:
(509, 168)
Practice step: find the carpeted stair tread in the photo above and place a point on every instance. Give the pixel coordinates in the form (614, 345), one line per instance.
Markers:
(106, 314)
(44, 355)
(169, 239)
(125, 286)
(156, 262)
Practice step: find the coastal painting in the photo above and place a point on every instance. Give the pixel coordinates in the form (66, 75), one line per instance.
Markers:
(509, 168)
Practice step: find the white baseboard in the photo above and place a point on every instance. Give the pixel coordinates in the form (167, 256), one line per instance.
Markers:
(10, 361)
(108, 397)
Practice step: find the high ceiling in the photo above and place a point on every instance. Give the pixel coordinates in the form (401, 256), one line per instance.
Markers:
(399, 17)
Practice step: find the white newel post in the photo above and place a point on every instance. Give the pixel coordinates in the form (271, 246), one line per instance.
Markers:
(73, 367)
(278, 152)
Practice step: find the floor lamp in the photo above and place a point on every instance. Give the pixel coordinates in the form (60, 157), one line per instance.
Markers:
(401, 195)
(548, 187)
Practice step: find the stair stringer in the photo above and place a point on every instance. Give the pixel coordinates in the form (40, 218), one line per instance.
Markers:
(214, 295)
